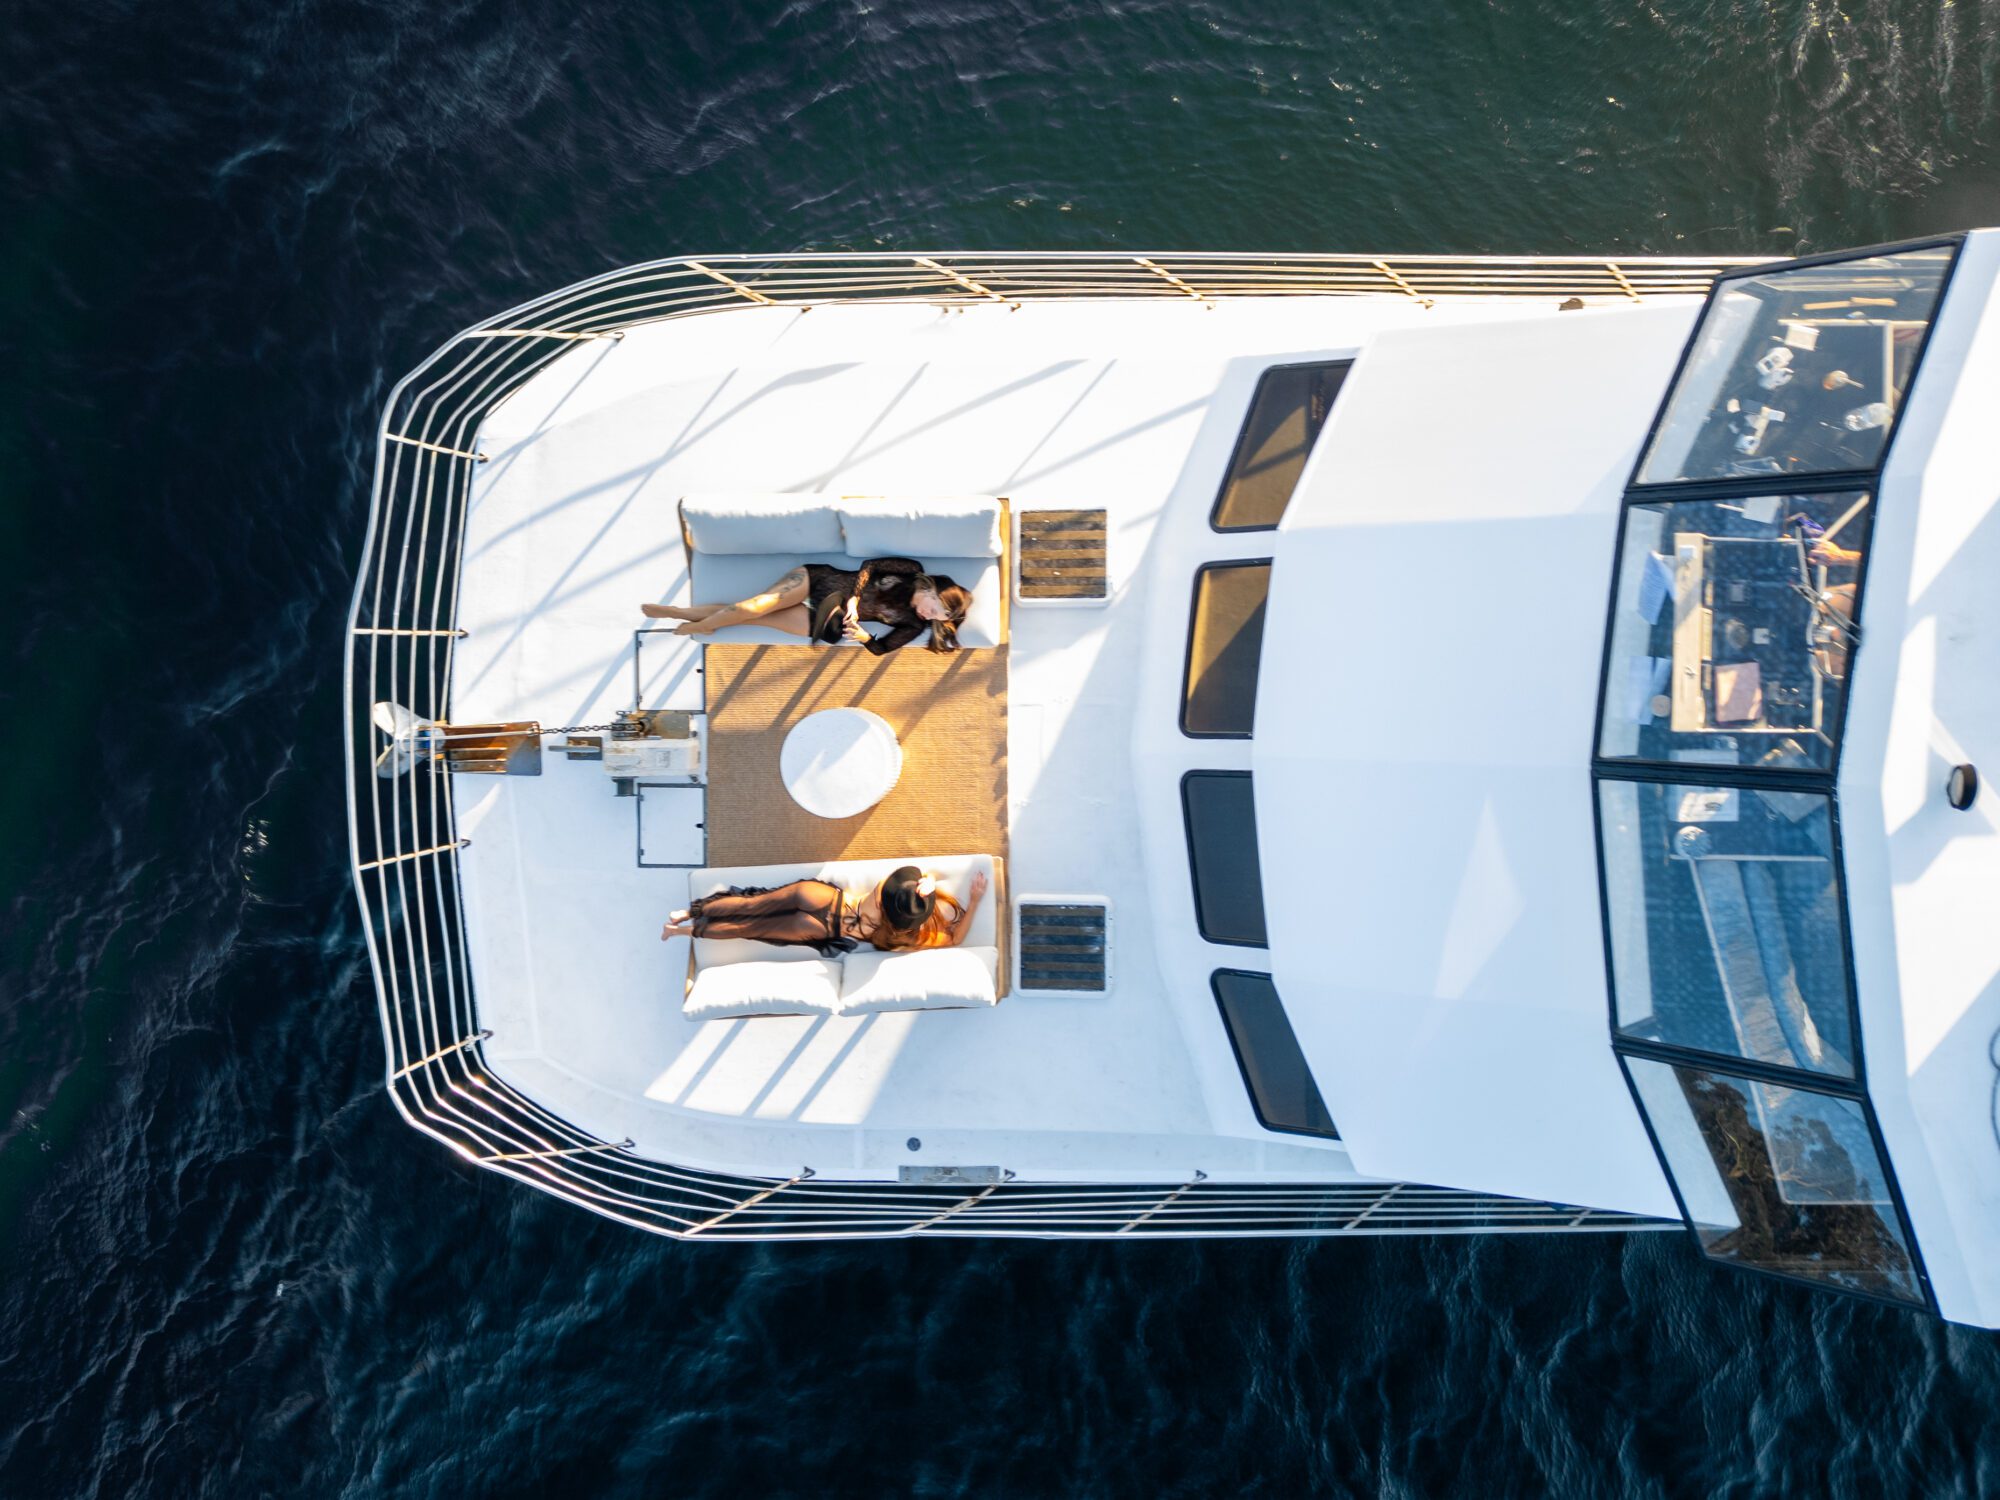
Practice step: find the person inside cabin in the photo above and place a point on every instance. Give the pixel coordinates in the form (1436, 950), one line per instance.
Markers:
(1833, 631)
(826, 605)
(905, 909)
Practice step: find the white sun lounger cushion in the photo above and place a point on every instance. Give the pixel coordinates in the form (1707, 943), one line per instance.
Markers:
(764, 988)
(931, 979)
(946, 526)
(766, 525)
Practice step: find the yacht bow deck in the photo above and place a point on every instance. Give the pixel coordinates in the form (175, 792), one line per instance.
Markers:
(1128, 409)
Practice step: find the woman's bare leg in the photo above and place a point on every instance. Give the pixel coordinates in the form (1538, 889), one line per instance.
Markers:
(680, 611)
(794, 619)
(786, 592)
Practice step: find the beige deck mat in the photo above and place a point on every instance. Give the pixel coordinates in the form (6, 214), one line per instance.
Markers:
(950, 712)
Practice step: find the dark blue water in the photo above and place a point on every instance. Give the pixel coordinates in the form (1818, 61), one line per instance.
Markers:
(226, 1268)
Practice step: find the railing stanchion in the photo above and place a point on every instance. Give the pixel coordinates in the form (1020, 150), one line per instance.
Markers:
(552, 1154)
(964, 281)
(1404, 286)
(458, 1046)
(1172, 280)
(397, 437)
(1166, 1202)
(959, 1207)
(751, 1202)
(733, 284)
(397, 859)
(1377, 1204)
(616, 334)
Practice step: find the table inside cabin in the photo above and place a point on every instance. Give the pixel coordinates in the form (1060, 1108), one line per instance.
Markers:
(1738, 604)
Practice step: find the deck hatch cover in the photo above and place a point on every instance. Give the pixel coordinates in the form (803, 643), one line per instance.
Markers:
(1065, 946)
(1062, 554)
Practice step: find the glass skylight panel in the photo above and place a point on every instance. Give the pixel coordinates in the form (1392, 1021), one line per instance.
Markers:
(1274, 1070)
(1725, 922)
(1286, 413)
(1799, 371)
(1222, 854)
(1225, 644)
(1733, 630)
(1779, 1178)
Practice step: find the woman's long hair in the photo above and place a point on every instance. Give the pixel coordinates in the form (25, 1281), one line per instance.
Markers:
(956, 601)
(929, 933)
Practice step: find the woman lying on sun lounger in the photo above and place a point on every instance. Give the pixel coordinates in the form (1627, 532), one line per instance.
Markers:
(827, 604)
(905, 910)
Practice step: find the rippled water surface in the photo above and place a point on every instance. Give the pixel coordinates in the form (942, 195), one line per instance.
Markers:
(227, 1269)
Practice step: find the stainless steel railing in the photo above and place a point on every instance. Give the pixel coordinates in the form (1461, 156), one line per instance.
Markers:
(403, 838)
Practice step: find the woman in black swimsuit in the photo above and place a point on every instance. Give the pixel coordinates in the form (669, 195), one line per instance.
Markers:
(827, 604)
(905, 909)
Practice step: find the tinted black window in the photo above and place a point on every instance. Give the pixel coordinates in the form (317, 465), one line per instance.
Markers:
(1274, 1070)
(1286, 414)
(1225, 643)
(1222, 851)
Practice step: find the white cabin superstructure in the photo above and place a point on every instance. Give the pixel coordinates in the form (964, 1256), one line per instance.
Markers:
(1404, 993)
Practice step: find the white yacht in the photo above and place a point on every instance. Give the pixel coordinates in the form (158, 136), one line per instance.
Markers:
(1448, 746)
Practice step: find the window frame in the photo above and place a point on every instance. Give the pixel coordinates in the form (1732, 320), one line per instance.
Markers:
(1243, 1068)
(1194, 879)
(1824, 781)
(1634, 486)
(1187, 655)
(1692, 493)
(1346, 367)
(1689, 774)
(1754, 1072)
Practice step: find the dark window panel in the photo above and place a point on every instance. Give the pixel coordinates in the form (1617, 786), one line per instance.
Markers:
(1222, 853)
(1274, 1070)
(1287, 411)
(1225, 645)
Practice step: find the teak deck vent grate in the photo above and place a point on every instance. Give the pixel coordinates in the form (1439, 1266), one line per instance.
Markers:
(1062, 554)
(1064, 946)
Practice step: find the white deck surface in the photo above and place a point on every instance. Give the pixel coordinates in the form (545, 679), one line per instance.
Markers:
(1129, 407)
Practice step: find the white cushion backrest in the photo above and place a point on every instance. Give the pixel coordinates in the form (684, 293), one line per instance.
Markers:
(928, 979)
(767, 525)
(946, 526)
(765, 989)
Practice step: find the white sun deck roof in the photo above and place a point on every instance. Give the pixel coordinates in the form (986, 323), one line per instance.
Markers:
(1425, 715)
(1132, 409)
